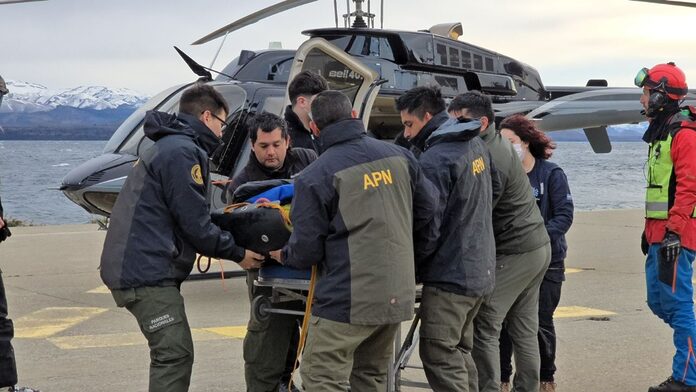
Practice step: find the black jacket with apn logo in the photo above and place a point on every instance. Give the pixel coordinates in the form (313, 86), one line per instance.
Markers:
(161, 217)
(458, 162)
(359, 212)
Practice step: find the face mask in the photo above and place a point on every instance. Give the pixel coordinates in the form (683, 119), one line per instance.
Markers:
(519, 150)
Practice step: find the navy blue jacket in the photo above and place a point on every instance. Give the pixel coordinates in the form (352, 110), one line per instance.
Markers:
(162, 217)
(458, 162)
(552, 193)
(359, 212)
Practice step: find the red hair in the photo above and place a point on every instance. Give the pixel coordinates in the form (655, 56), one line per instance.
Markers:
(540, 146)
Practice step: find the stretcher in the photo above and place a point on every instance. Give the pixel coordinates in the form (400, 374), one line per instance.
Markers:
(288, 284)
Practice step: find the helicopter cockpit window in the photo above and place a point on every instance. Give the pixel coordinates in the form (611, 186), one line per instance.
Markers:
(339, 76)
(137, 142)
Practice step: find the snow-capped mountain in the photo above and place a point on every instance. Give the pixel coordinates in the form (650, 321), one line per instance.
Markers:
(27, 97)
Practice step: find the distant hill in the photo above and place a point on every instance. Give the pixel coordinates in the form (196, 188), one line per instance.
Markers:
(32, 111)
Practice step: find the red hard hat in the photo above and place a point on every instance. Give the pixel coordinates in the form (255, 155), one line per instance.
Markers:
(669, 79)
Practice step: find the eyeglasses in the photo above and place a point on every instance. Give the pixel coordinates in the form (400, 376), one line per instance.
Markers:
(642, 77)
(225, 124)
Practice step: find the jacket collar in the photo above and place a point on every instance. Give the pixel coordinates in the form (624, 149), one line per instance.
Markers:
(339, 132)
(161, 124)
(289, 158)
(454, 130)
(489, 133)
(204, 137)
(419, 140)
(658, 127)
(294, 121)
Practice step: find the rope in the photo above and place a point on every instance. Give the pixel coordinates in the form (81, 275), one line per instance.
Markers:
(305, 323)
(198, 264)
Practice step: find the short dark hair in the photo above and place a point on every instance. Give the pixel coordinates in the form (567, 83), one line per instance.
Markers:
(266, 122)
(421, 100)
(201, 97)
(540, 145)
(477, 104)
(329, 107)
(306, 83)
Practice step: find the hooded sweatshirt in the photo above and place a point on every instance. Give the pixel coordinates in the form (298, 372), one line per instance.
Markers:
(161, 217)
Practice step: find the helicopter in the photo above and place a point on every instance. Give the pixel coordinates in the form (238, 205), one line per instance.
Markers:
(373, 67)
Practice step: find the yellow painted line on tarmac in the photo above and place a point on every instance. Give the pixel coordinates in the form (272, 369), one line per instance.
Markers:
(137, 338)
(50, 321)
(237, 332)
(100, 290)
(579, 311)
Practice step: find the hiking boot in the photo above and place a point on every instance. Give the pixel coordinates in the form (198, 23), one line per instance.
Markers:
(547, 386)
(284, 388)
(672, 385)
(504, 387)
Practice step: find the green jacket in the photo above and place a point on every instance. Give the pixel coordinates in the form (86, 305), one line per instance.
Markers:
(517, 223)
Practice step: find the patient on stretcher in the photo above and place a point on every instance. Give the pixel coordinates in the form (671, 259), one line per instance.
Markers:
(259, 220)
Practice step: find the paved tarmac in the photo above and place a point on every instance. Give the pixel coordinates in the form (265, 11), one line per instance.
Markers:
(71, 337)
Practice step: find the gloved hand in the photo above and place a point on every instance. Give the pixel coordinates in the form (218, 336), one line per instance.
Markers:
(670, 247)
(644, 245)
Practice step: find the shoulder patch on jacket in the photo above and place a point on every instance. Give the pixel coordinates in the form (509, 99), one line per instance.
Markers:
(196, 174)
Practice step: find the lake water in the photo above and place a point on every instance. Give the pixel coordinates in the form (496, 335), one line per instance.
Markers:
(31, 172)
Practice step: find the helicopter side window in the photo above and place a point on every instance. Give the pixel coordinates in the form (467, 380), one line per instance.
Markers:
(441, 54)
(489, 64)
(453, 56)
(466, 59)
(338, 76)
(478, 62)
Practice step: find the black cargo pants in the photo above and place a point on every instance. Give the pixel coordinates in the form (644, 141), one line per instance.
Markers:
(8, 368)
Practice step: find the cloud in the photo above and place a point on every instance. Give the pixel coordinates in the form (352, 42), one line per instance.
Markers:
(65, 43)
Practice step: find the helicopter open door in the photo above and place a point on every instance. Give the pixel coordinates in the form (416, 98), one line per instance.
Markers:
(342, 72)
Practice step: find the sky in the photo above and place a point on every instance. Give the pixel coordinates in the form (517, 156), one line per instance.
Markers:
(128, 43)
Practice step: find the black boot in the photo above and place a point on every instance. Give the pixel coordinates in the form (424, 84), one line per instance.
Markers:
(672, 385)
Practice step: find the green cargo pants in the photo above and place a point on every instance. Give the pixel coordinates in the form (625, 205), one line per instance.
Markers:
(268, 345)
(516, 296)
(446, 339)
(338, 355)
(162, 319)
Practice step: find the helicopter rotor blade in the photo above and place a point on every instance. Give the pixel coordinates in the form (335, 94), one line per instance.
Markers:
(16, 1)
(253, 18)
(669, 2)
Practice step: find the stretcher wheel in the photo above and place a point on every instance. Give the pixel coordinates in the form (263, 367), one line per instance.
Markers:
(259, 309)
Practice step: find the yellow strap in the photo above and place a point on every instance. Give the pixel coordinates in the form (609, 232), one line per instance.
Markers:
(305, 323)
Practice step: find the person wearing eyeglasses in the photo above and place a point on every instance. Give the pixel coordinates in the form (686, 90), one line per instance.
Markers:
(669, 240)
(161, 219)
